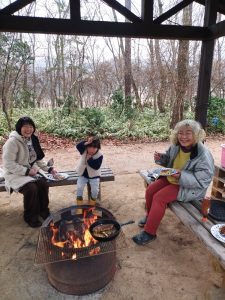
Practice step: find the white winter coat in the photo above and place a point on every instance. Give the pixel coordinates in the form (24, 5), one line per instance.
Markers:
(83, 164)
(16, 162)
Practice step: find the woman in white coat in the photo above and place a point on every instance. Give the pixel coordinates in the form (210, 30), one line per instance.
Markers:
(22, 159)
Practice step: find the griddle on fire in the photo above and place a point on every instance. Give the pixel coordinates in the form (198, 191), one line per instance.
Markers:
(65, 235)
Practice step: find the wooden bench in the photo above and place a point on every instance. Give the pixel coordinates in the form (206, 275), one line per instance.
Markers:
(106, 175)
(190, 215)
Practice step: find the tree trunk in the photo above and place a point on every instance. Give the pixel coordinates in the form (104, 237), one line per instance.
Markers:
(152, 81)
(127, 64)
(162, 88)
(182, 73)
(5, 111)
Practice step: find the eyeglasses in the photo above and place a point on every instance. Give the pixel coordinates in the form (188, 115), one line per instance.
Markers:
(185, 133)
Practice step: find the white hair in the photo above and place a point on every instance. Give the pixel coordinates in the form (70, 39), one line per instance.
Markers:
(196, 128)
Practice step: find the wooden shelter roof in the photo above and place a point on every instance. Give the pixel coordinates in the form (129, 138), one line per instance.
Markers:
(143, 26)
(140, 27)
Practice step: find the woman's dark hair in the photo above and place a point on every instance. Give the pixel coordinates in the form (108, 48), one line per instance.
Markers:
(24, 121)
(95, 143)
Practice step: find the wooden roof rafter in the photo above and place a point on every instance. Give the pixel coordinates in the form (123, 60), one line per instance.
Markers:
(15, 6)
(165, 16)
(123, 10)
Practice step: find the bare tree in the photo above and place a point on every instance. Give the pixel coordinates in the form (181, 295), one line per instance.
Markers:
(182, 72)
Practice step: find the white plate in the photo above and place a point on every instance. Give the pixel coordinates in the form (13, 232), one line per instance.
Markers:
(215, 230)
(50, 176)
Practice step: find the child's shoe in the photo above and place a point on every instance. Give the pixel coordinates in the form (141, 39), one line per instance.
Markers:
(79, 211)
(79, 200)
(92, 202)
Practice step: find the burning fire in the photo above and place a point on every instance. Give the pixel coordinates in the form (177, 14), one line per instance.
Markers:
(75, 236)
(94, 251)
(74, 256)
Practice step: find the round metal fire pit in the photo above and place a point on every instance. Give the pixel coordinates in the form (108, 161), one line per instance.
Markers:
(85, 275)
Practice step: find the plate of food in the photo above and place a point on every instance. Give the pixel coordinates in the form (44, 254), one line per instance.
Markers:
(167, 172)
(218, 231)
(57, 176)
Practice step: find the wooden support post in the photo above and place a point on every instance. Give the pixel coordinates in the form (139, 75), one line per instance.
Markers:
(205, 66)
(75, 10)
(147, 11)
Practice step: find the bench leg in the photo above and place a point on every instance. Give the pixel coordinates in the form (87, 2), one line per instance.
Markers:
(99, 193)
(89, 192)
(218, 268)
(145, 184)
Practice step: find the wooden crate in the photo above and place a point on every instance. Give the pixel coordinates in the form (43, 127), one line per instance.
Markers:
(218, 187)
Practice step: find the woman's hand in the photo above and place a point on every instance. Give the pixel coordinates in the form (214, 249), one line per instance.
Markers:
(53, 172)
(177, 175)
(32, 172)
(157, 156)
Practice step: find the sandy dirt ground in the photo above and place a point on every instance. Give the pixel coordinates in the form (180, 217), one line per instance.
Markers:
(175, 266)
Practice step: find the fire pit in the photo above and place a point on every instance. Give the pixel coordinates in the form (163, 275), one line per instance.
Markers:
(75, 262)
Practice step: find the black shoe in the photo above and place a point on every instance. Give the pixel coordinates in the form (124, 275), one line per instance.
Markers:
(34, 224)
(143, 238)
(45, 214)
(143, 221)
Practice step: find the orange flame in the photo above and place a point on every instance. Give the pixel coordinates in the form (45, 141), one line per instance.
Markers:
(94, 251)
(74, 256)
(74, 241)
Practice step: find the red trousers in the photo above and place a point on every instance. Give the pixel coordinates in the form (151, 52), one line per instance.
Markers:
(158, 195)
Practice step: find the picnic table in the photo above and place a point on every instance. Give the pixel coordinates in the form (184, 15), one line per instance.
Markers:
(190, 215)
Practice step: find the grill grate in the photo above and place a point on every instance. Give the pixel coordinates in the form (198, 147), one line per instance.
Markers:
(48, 253)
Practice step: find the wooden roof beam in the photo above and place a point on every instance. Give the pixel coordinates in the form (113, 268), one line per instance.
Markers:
(165, 16)
(14, 7)
(100, 28)
(123, 10)
(218, 30)
(220, 8)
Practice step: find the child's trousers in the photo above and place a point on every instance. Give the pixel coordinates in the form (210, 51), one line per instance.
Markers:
(94, 183)
(158, 195)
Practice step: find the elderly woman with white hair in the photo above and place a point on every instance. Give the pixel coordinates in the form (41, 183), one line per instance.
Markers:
(194, 167)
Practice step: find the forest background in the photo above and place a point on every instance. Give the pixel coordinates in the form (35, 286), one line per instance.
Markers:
(115, 87)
